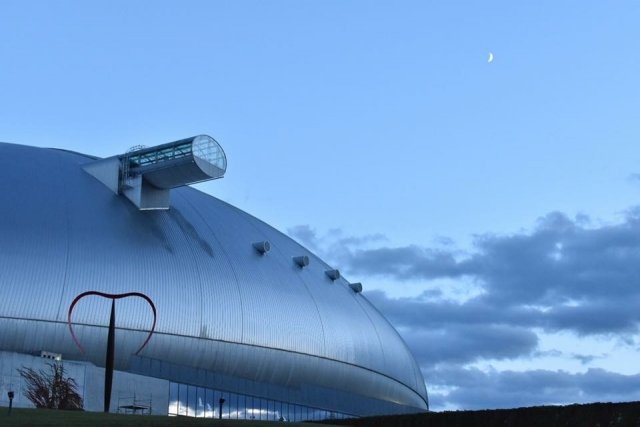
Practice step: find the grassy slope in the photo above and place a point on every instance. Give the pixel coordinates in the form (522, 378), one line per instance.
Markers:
(595, 414)
(44, 417)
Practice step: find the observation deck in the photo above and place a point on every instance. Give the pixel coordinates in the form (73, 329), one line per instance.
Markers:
(146, 174)
(183, 162)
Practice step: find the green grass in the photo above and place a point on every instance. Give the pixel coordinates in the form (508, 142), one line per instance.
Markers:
(48, 417)
(626, 414)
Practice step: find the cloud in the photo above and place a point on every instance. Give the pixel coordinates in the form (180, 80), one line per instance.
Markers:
(404, 263)
(586, 358)
(482, 329)
(305, 235)
(333, 245)
(560, 261)
(466, 344)
(472, 388)
(565, 275)
(445, 331)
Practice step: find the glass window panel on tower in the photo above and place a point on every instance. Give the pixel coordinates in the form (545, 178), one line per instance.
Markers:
(225, 405)
(242, 407)
(217, 395)
(200, 401)
(271, 411)
(209, 405)
(173, 399)
(182, 400)
(233, 406)
(191, 401)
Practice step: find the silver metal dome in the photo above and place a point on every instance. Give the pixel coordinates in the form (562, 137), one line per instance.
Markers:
(228, 315)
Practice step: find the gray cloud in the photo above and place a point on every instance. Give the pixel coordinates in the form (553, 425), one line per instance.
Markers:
(469, 343)
(586, 358)
(463, 332)
(561, 259)
(404, 263)
(566, 275)
(474, 389)
(563, 275)
(305, 235)
(333, 244)
(482, 329)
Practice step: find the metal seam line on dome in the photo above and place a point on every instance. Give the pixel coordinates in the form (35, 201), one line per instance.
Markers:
(233, 271)
(312, 299)
(67, 249)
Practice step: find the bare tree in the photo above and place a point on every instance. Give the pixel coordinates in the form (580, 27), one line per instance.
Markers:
(51, 389)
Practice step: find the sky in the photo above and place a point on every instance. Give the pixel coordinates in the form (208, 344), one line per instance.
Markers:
(490, 209)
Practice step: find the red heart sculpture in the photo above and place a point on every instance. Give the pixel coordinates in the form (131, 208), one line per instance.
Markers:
(112, 297)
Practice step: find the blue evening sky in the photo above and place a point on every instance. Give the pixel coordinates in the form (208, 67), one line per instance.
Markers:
(344, 120)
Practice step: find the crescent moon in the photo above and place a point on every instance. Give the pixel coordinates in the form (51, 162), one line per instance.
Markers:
(490, 60)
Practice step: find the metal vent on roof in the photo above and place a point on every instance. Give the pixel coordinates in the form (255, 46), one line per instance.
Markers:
(302, 261)
(357, 287)
(333, 274)
(262, 247)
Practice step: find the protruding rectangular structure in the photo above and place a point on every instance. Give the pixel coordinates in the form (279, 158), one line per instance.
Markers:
(145, 175)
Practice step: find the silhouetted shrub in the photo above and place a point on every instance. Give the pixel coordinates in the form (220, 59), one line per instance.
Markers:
(52, 389)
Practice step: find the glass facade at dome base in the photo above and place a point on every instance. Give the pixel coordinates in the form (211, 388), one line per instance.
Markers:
(192, 401)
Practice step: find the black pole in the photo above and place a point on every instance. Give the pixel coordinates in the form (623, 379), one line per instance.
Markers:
(10, 394)
(108, 370)
(220, 414)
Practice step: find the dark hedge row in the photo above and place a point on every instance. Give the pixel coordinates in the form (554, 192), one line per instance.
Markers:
(594, 414)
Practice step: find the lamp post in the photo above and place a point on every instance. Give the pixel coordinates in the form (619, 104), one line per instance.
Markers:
(221, 401)
(10, 394)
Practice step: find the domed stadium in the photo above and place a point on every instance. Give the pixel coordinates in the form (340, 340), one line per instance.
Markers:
(215, 313)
